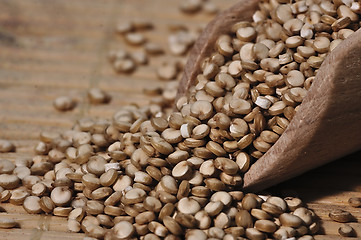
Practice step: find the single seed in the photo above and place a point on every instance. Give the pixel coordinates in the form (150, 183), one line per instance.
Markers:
(134, 38)
(63, 103)
(38, 189)
(188, 206)
(5, 195)
(266, 226)
(61, 196)
(254, 234)
(62, 211)
(271, 209)
(290, 220)
(182, 170)
(123, 230)
(226, 165)
(260, 214)
(190, 6)
(277, 201)
(167, 71)
(161, 145)
(246, 34)
(18, 196)
(9, 181)
(293, 203)
(73, 225)
(6, 166)
(97, 96)
(263, 102)
(124, 65)
(134, 195)
(305, 214)
(77, 214)
(244, 219)
(7, 223)
(354, 202)
(153, 48)
(201, 109)
(346, 231)
(340, 216)
(249, 202)
(46, 204)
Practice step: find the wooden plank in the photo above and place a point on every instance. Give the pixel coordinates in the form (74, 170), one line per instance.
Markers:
(60, 48)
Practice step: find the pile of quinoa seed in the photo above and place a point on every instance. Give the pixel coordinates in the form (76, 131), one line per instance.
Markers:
(149, 173)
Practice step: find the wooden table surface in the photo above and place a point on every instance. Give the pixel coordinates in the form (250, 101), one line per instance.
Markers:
(58, 47)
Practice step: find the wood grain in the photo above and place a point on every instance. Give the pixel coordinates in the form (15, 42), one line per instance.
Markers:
(53, 48)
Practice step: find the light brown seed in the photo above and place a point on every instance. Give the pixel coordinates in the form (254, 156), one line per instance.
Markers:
(73, 225)
(172, 225)
(169, 184)
(134, 38)
(7, 223)
(277, 201)
(244, 219)
(18, 196)
(6, 166)
(238, 128)
(249, 202)
(9, 181)
(226, 165)
(346, 231)
(64, 103)
(158, 229)
(77, 214)
(196, 234)
(305, 214)
(62, 211)
(167, 71)
(235, 68)
(188, 206)
(124, 65)
(98, 96)
(46, 204)
(354, 202)
(293, 203)
(341, 216)
(254, 234)
(223, 197)
(61, 196)
(161, 145)
(246, 34)
(94, 207)
(260, 214)
(266, 226)
(134, 195)
(271, 209)
(321, 44)
(290, 220)
(32, 204)
(201, 110)
(182, 170)
(123, 230)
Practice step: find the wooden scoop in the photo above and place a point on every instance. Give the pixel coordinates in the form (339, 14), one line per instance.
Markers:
(327, 125)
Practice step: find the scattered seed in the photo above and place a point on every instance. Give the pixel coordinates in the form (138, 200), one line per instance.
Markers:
(64, 103)
(340, 216)
(354, 202)
(97, 96)
(346, 231)
(7, 223)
